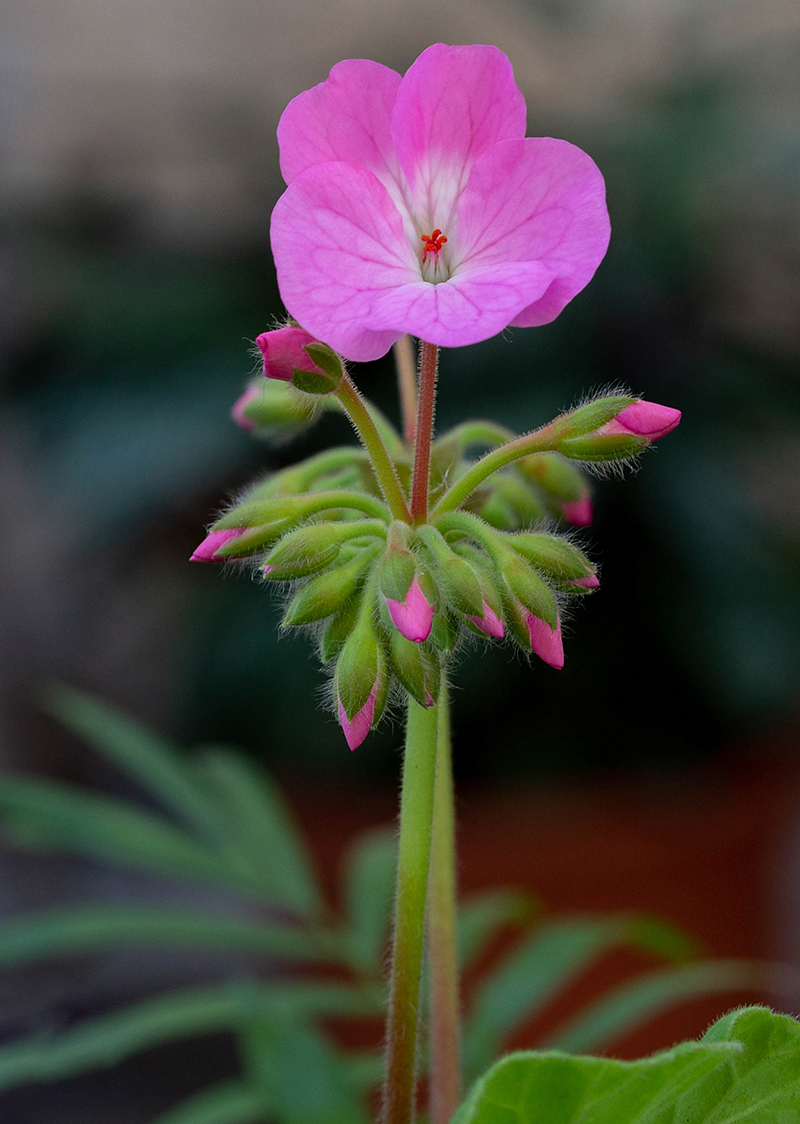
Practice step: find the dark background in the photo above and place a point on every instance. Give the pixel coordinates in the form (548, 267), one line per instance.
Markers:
(139, 169)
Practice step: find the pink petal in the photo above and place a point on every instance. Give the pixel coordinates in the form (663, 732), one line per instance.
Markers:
(339, 246)
(206, 551)
(284, 352)
(241, 404)
(578, 512)
(546, 641)
(541, 200)
(489, 623)
(644, 419)
(452, 105)
(345, 118)
(591, 581)
(356, 728)
(414, 616)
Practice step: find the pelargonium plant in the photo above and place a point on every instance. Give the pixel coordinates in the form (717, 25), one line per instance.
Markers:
(416, 206)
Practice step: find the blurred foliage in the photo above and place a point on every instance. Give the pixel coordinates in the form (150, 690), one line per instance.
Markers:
(219, 821)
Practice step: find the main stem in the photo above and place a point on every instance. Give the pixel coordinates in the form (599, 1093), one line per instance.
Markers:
(416, 815)
(445, 1079)
(429, 357)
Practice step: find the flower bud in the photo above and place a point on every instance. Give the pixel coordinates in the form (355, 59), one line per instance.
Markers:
(545, 641)
(556, 557)
(644, 419)
(488, 622)
(590, 582)
(512, 502)
(628, 432)
(398, 567)
(211, 544)
(579, 513)
(273, 411)
(562, 484)
(592, 416)
(325, 594)
(527, 587)
(457, 579)
(307, 550)
(413, 616)
(293, 355)
(415, 667)
(361, 679)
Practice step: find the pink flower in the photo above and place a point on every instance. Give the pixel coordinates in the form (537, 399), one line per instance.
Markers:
(413, 616)
(284, 352)
(207, 550)
(546, 641)
(489, 623)
(418, 205)
(591, 581)
(644, 419)
(356, 728)
(240, 405)
(578, 512)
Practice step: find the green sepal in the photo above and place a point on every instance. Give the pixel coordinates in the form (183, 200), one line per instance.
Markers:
(555, 476)
(586, 419)
(254, 540)
(444, 631)
(307, 550)
(458, 580)
(338, 629)
(327, 593)
(328, 375)
(556, 557)
(529, 589)
(398, 567)
(416, 667)
(277, 412)
(486, 573)
(515, 621)
(498, 512)
(361, 667)
(603, 447)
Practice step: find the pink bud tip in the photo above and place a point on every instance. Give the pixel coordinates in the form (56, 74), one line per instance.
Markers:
(489, 623)
(578, 512)
(546, 641)
(239, 407)
(356, 728)
(414, 616)
(207, 550)
(645, 419)
(591, 581)
(284, 351)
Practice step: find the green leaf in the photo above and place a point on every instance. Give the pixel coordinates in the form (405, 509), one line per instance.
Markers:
(745, 1070)
(155, 763)
(540, 966)
(295, 1069)
(109, 1039)
(52, 815)
(230, 1102)
(61, 932)
(262, 828)
(641, 999)
(369, 878)
(481, 916)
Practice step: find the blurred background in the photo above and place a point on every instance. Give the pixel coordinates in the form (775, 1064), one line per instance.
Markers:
(138, 170)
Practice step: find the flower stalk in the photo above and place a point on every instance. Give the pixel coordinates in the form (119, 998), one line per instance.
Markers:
(407, 385)
(362, 420)
(416, 817)
(428, 369)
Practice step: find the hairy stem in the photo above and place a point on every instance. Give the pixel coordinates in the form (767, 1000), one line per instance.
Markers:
(445, 1080)
(407, 385)
(416, 814)
(359, 415)
(540, 441)
(429, 359)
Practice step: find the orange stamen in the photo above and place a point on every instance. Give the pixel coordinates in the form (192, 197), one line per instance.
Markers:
(433, 243)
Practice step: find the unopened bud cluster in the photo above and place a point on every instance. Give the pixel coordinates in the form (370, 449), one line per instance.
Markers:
(391, 601)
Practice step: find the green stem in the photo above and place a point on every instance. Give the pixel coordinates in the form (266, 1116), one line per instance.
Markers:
(364, 423)
(428, 364)
(540, 441)
(445, 1080)
(407, 385)
(416, 814)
